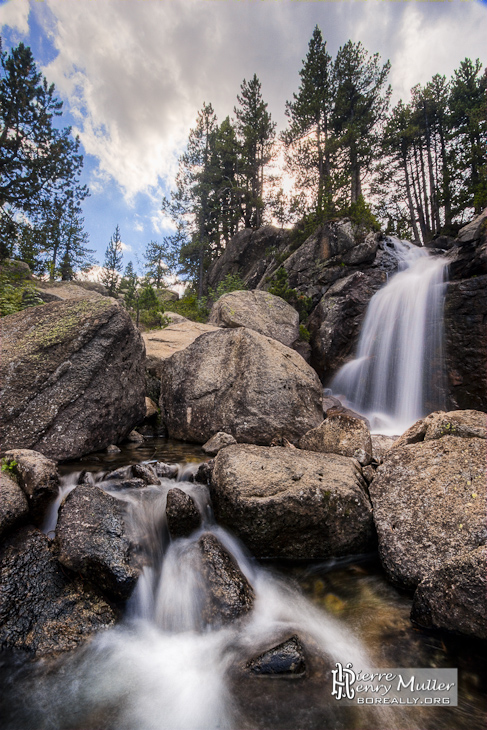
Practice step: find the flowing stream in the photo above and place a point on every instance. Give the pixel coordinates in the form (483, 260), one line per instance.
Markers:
(163, 668)
(397, 375)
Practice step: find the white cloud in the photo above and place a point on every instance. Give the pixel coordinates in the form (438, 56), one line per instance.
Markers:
(125, 247)
(15, 14)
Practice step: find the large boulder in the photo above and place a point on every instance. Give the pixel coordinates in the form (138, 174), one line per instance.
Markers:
(336, 321)
(161, 344)
(38, 477)
(259, 311)
(429, 495)
(238, 381)
(182, 515)
(72, 377)
(13, 504)
(288, 503)
(453, 596)
(92, 539)
(341, 434)
(42, 609)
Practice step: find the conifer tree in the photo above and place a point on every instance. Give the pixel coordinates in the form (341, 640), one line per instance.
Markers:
(112, 265)
(155, 265)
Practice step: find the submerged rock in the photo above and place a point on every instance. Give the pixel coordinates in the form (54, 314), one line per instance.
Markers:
(453, 596)
(286, 659)
(340, 434)
(13, 504)
(240, 382)
(38, 478)
(227, 593)
(259, 311)
(42, 609)
(72, 377)
(182, 514)
(92, 539)
(429, 496)
(289, 503)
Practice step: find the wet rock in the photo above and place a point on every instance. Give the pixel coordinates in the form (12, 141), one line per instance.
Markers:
(259, 311)
(182, 514)
(340, 434)
(453, 596)
(332, 405)
(92, 539)
(38, 478)
(13, 505)
(240, 382)
(293, 504)
(125, 472)
(135, 438)
(112, 449)
(72, 368)
(217, 442)
(429, 497)
(116, 485)
(228, 594)
(205, 470)
(286, 659)
(166, 471)
(145, 472)
(42, 609)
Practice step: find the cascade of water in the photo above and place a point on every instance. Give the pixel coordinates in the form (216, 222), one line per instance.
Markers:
(397, 375)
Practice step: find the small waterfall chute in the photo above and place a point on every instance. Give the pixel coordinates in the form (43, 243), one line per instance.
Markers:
(397, 375)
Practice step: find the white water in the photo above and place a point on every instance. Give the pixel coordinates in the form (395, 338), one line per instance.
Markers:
(397, 375)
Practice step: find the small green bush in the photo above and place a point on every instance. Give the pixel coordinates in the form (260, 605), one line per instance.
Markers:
(304, 334)
(190, 306)
(280, 288)
(9, 465)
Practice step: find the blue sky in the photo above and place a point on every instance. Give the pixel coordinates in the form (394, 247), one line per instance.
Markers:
(133, 74)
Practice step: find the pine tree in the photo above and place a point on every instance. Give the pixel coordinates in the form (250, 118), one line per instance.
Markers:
(129, 285)
(155, 257)
(112, 265)
(256, 134)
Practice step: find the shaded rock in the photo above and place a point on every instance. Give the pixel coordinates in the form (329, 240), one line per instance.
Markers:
(303, 348)
(42, 610)
(167, 471)
(340, 434)
(429, 504)
(228, 594)
(286, 659)
(259, 311)
(161, 344)
(368, 473)
(217, 442)
(145, 472)
(293, 504)
(182, 514)
(72, 377)
(38, 478)
(465, 342)
(92, 539)
(336, 321)
(381, 445)
(240, 382)
(205, 470)
(135, 438)
(475, 229)
(462, 424)
(13, 504)
(150, 408)
(112, 449)
(453, 597)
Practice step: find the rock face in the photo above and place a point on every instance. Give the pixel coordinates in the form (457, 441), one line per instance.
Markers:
(42, 610)
(259, 311)
(240, 382)
(92, 540)
(453, 597)
(228, 594)
(38, 477)
(161, 344)
(336, 321)
(293, 504)
(182, 514)
(429, 496)
(72, 377)
(13, 504)
(340, 434)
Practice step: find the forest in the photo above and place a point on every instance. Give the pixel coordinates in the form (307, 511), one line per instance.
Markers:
(417, 169)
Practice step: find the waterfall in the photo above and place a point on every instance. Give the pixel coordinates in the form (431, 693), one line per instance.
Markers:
(397, 375)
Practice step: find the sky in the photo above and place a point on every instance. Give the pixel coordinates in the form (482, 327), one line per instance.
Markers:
(133, 74)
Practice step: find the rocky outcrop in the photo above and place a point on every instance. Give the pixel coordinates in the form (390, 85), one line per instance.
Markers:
(13, 505)
(336, 321)
(227, 593)
(289, 503)
(43, 610)
(161, 344)
(182, 514)
(38, 478)
(259, 311)
(72, 378)
(340, 434)
(453, 597)
(240, 382)
(429, 496)
(92, 540)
